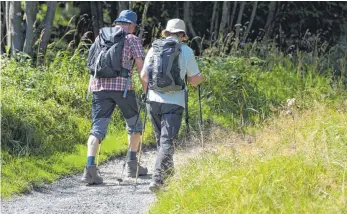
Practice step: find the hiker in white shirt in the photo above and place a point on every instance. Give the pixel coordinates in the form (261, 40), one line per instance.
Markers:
(166, 65)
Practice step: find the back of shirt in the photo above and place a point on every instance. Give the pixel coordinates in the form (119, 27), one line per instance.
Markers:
(132, 49)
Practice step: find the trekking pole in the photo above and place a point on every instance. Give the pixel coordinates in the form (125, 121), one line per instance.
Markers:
(124, 162)
(186, 111)
(97, 160)
(140, 152)
(126, 89)
(143, 135)
(201, 121)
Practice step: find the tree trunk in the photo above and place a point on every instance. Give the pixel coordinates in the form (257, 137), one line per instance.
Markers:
(100, 15)
(30, 14)
(84, 23)
(239, 19)
(177, 11)
(188, 21)
(48, 22)
(251, 21)
(95, 20)
(231, 22)
(268, 26)
(216, 21)
(225, 18)
(143, 19)
(122, 5)
(131, 5)
(7, 19)
(3, 21)
(215, 4)
(113, 10)
(15, 28)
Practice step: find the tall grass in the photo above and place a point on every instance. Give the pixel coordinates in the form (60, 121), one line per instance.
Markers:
(46, 121)
(290, 156)
(289, 166)
(44, 109)
(239, 92)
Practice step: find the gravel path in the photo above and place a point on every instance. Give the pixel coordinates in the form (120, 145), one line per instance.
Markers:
(68, 195)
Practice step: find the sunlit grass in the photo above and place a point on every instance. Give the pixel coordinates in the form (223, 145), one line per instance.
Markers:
(291, 165)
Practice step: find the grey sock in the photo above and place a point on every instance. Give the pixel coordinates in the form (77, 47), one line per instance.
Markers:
(131, 155)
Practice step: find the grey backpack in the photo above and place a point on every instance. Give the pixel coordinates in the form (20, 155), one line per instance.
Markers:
(164, 69)
(105, 55)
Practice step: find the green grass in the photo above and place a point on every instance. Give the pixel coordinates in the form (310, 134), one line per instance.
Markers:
(291, 166)
(45, 121)
(22, 174)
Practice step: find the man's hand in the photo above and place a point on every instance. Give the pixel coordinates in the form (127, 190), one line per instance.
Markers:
(142, 99)
(195, 80)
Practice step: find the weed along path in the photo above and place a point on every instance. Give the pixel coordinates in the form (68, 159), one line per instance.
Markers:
(68, 195)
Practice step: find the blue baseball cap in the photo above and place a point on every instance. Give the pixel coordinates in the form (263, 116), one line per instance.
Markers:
(127, 16)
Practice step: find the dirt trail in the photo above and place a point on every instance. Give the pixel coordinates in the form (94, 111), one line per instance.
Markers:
(68, 195)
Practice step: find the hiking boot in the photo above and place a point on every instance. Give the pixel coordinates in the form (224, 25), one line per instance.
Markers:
(154, 186)
(90, 176)
(132, 167)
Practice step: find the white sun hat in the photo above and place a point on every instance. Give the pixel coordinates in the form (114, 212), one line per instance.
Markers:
(175, 26)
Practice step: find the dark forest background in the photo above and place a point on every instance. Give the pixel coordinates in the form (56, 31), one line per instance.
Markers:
(31, 26)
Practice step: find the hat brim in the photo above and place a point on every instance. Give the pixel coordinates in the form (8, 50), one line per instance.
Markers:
(121, 19)
(174, 31)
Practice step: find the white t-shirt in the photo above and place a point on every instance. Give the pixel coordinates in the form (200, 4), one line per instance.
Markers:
(188, 66)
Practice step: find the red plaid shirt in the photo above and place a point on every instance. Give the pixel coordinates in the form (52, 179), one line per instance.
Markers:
(132, 49)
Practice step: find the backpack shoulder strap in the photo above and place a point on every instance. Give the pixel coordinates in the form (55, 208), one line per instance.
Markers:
(157, 46)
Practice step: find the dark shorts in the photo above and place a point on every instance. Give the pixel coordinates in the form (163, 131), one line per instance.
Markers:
(103, 105)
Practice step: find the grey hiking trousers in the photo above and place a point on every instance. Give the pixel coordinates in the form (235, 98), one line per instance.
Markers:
(166, 119)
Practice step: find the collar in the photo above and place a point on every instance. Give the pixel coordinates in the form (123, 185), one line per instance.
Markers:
(126, 30)
(173, 38)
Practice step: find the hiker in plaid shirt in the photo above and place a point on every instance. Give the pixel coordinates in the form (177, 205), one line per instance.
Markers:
(107, 94)
(132, 49)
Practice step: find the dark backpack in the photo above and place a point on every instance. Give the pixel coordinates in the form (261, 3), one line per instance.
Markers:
(164, 70)
(105, 54)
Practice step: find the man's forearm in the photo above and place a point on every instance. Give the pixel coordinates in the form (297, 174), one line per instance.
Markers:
(139, 66)
(144, 83)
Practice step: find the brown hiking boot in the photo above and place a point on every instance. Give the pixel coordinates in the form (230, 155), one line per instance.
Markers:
(155, 186)
(91, 176)
(132, 167)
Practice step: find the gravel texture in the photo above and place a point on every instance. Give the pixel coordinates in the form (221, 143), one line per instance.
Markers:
(68, 195)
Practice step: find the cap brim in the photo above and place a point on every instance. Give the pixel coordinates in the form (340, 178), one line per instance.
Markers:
(174, 31)
(125, 20)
